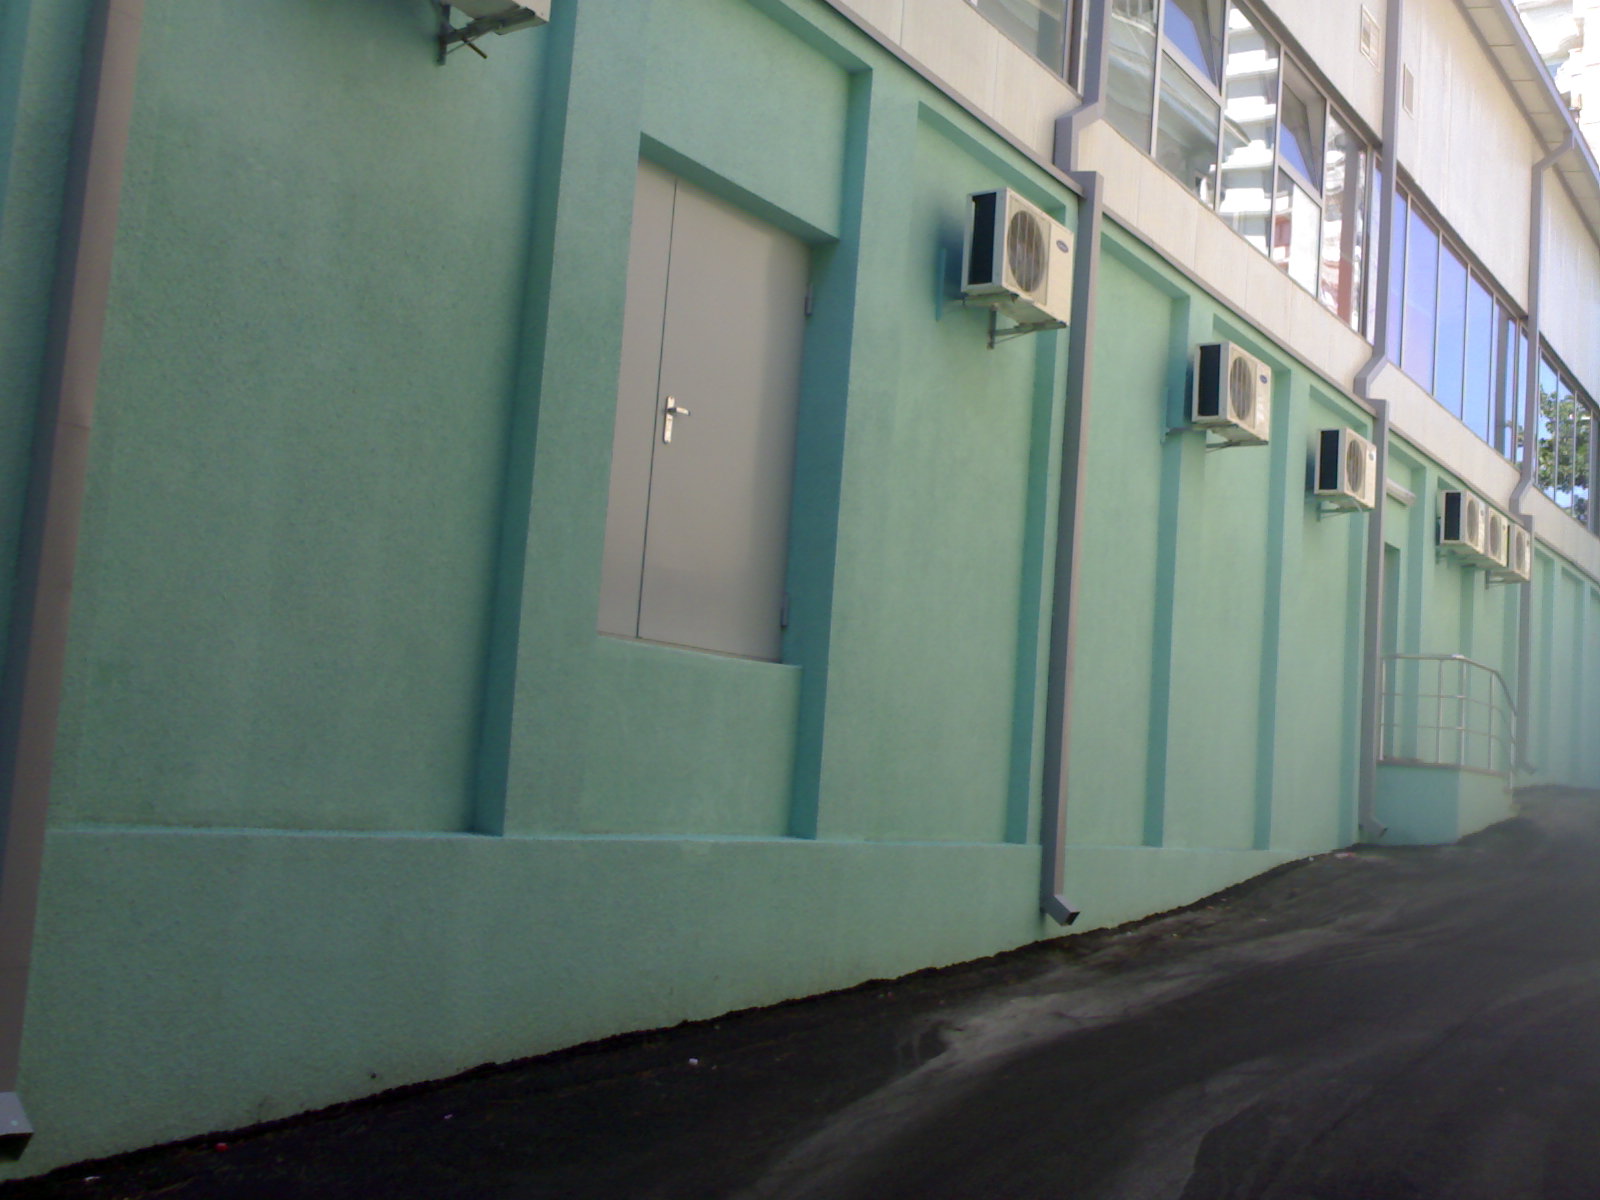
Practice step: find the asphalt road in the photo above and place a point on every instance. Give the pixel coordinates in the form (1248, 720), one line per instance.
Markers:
(1371, 1025)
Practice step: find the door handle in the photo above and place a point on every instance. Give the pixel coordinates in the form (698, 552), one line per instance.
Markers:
(674, 409)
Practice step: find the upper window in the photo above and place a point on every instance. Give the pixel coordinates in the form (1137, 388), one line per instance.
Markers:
(1046, 29)
(1201, 86)
(1302, 114)
(1346, 183)
(1452, 332)
(1566, 447)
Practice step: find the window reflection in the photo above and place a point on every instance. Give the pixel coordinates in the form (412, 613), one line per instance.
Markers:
(1344, 210)
(1295, 233)
(1131, 69)
(1186, 133)
(1039, 26)
(1250, 119)
(1566, 426)
(1549, 394)
(1514, 387)
(1584, 449)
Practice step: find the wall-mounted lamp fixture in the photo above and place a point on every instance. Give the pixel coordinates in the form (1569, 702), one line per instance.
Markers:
(487, 16)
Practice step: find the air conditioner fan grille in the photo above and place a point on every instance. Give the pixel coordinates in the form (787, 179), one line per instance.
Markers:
(1521, 550)
(1025, 251)
(1355, 466)
(1242, 390)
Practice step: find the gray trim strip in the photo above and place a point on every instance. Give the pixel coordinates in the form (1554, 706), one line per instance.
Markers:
(31, 692)
(1367, 823)
(1064, 593)
(1530, 435)
(1074, 452)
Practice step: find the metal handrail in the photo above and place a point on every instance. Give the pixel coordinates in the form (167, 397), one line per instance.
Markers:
(1488, 724)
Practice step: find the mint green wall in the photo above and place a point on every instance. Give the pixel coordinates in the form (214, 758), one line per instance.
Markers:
(1323, 586)
(350, 790)
(1564, 694)
(1219, 562)
(931, 559)
(283, 586)
(1113, 727)
(1209, 574)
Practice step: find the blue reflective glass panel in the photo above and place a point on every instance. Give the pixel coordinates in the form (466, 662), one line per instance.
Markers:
(1449, 350)
(1397, 279)
(1477, 400)
(1421, 306)
(1195, 28)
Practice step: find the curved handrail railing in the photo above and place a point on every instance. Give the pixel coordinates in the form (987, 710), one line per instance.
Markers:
(1472, 726)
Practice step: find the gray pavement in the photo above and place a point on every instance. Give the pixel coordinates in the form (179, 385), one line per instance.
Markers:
(1380, 1024)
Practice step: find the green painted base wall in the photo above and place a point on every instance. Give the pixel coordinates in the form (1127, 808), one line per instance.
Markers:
(199, 980)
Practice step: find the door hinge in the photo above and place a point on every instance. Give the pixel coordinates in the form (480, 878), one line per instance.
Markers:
(783, 612)
(808, 300)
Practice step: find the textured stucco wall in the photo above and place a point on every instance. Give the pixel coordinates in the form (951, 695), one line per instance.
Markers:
(350, 793)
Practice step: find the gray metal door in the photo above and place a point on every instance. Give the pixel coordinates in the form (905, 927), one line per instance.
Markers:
(702, 459)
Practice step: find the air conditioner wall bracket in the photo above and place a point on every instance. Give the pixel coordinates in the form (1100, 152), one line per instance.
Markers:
(998, 335)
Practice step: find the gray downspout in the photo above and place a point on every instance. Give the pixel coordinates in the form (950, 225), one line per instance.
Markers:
(1530, 446)
(1074, 444)
(1367, 823)
(31, 692)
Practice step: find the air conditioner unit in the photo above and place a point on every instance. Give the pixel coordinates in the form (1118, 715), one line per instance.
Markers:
(1017, 260)
(1518, 566)
(1232, 394)
(502, 16)
(1347, 469)
(1496, 533)
(1463, 525)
